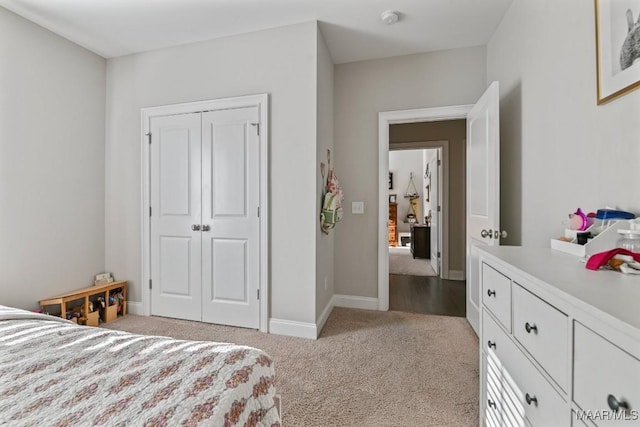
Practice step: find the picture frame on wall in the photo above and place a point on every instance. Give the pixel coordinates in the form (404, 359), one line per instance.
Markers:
(617, 47)
(393, 198)
(390, 180)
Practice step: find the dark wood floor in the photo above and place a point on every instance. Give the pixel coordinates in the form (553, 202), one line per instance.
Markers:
(427, 295)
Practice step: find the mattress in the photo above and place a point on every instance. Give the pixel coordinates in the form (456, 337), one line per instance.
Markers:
(56, 373)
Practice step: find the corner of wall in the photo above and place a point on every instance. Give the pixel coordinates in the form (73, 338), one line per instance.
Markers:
(324, 143)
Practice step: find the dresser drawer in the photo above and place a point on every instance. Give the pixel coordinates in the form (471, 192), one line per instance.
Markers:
(544, 332)
(604, 374)
(524, 388)
(493, 399)
(496, 294)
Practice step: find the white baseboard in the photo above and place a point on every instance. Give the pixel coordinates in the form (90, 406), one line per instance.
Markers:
(325, 315)
(293, 329)
(134, 307)
(349, 301)
(456, 275)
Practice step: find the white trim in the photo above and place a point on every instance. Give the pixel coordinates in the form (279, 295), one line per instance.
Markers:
(456, 275)
(292, 328)
(262, 102)
(135, 307)
(350, 301)
(385, 119)
(325, 315)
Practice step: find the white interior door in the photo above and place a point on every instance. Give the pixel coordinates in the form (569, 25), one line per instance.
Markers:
(434, 200)
(175, 200)
(483, 189)
(230, 202)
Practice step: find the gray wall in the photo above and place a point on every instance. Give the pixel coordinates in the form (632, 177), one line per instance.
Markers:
(51, 163)
(362, 90)
(454, 131)
(281, 62)
(559, 150)
(324, 136)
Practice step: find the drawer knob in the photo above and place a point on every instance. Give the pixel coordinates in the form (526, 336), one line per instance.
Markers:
(616, 404)
(491, 344)
(531, 399)
(530, 328)
(490, 292)
(491, 403)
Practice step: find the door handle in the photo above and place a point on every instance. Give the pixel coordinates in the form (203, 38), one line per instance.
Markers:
(500, 234)
(195, 227)
(206, 227)
(486, 233)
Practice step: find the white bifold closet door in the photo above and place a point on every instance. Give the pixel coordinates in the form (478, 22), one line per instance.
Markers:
(204, 224)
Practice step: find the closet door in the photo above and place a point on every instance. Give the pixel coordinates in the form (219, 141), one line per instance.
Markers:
(230, 200)
(176, 251)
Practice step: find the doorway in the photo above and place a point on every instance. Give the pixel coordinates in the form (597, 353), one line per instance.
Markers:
(482, 180)
(414, 216)
(205, 190)
(386, 120)
(441, 192)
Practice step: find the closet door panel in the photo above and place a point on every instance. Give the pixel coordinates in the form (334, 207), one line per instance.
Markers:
(176, 252)
(230, 177)
(229, 170)
(230, 252)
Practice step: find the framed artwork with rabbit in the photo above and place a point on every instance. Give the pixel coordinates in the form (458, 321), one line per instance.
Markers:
(617, 47)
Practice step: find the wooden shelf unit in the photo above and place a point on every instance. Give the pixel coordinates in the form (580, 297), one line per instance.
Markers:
(109, 313)
(393, 224)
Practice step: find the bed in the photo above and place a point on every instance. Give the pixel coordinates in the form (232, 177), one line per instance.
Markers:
(56, 373)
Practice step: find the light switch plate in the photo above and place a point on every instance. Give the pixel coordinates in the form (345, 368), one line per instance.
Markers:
(357, 207)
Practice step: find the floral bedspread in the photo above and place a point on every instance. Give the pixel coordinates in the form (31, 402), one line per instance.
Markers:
(56, 373)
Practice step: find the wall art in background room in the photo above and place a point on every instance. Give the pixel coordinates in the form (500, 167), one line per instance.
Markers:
(618, 47)
(390, 180)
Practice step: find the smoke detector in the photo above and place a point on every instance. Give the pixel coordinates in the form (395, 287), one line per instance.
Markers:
(389, 17)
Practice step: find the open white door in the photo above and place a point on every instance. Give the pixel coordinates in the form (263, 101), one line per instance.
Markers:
(436, 210)
(483, 189)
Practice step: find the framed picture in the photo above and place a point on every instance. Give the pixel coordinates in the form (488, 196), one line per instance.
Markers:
(392, 198)
(617, 47)
(390, 180)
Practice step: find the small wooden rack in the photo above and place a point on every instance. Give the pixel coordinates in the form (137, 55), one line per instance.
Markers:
(109, 313)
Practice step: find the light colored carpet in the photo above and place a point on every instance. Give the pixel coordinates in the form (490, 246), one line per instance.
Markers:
(401, 262)
(368, 368)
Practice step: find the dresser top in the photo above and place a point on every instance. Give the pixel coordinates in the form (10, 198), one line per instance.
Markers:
(598, 292)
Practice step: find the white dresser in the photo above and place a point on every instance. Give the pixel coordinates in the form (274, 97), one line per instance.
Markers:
(559, 344)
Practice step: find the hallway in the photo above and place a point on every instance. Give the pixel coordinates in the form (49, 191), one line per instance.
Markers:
(427, 295)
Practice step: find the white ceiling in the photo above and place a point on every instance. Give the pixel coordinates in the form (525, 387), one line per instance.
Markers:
(352, 28)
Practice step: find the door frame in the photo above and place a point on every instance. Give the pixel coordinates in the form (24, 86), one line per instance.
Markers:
(385, 119)
(261, 101)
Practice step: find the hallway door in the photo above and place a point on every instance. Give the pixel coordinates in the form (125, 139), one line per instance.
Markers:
(483, 189)
(436, 210)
